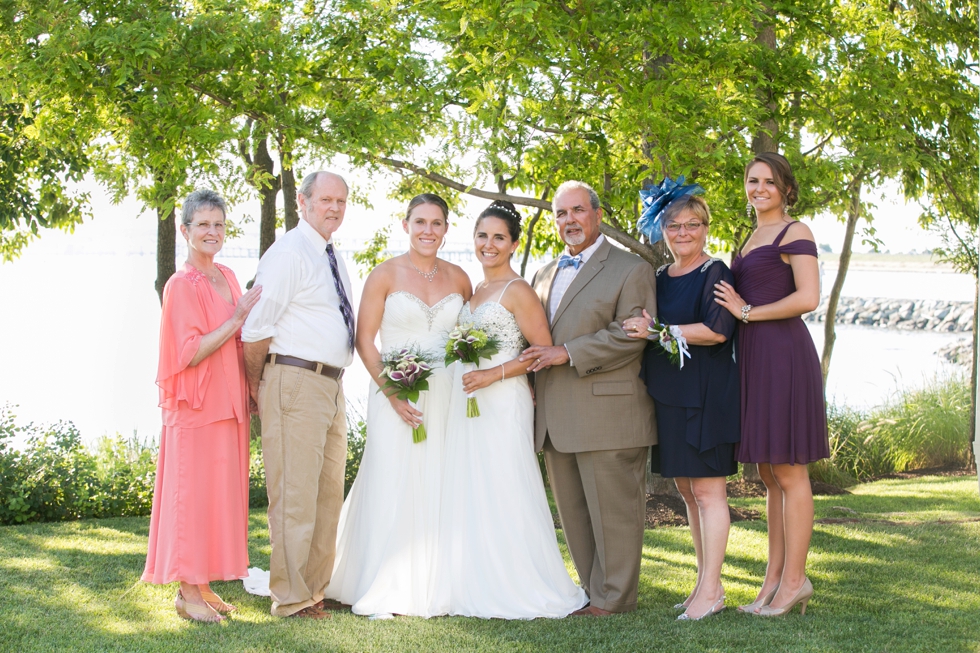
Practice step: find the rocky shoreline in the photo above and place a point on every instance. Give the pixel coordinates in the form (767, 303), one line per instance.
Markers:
(919, 315)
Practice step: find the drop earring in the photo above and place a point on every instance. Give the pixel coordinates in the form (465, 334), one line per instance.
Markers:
(748, 210)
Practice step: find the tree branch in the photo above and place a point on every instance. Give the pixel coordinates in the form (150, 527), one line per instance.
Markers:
(458, 186)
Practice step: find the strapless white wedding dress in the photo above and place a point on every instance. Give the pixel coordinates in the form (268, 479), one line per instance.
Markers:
(387, 537)
(499, 556)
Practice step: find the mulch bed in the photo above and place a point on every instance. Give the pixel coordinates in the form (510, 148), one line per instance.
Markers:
(741, 489)
(668, 510)
(946, 470)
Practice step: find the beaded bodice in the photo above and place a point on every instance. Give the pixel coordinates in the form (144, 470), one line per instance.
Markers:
(498, 322)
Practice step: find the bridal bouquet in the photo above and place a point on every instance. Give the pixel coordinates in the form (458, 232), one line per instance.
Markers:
(468, 345)
(671, 339)
(407, 372)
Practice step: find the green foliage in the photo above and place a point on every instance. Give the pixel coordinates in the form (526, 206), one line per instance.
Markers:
(56, 478)
(356, 439)
(375, 253)
(924, 428)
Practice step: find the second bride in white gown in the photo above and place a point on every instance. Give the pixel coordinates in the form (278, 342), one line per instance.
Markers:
(498, 554)
(387, 536)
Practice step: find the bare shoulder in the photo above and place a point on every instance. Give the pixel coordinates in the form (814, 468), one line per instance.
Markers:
(797, 231)
(521, 291)
(381, 277)
(459, 277)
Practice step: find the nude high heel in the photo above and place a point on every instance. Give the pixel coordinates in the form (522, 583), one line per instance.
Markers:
(195, 612)
(761, 603)
(802, 597)
(217, 603)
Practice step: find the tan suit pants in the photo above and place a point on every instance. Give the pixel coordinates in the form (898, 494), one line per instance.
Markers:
(601, 498)
(304, 446)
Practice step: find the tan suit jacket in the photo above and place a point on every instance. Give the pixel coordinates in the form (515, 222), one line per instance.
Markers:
(600, 403)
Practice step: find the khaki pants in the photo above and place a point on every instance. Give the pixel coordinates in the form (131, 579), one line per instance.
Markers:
(601, 498)
(304, 446)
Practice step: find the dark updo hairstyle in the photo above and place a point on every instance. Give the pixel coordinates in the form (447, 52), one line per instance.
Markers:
(427, 198)
(504, 211)
(782, 174)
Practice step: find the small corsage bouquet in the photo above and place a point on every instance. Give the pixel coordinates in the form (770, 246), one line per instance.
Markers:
(407, 372)
(671, 339)
(468, 345)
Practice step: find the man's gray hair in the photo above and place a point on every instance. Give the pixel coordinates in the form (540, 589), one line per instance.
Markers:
(573, 184)
(306, 187)
(201, 200)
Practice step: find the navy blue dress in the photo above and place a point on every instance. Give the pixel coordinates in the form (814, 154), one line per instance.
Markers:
(698, 406)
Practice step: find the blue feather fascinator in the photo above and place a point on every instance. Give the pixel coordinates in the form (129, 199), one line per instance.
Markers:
(656, 199)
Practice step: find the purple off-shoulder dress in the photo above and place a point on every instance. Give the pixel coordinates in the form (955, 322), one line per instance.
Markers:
(784, 419)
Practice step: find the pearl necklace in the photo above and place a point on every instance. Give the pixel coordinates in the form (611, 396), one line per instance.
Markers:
(430, 275)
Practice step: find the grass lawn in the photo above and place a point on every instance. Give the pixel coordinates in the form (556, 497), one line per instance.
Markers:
(898, 569)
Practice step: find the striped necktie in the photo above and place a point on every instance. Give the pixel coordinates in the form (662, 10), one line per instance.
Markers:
(345, 308)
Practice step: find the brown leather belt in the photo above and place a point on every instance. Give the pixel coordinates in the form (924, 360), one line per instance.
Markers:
(319, 368)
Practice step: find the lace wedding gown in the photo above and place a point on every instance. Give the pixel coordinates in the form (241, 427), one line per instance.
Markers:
(387, 537)
(499, 556)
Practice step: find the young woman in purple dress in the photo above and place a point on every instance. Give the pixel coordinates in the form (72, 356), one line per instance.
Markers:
(784, 423)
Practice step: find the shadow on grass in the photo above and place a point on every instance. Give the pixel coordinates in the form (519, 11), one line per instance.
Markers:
(74, 587)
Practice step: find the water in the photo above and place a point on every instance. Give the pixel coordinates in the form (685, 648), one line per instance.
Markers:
(80, 326)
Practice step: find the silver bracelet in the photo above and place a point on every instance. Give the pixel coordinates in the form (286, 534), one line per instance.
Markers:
(745, 313)
(503, 372)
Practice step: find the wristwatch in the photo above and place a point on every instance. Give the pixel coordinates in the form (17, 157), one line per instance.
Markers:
(745, 313)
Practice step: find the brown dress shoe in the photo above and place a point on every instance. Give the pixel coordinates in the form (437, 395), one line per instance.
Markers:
(592, 611)
(311, 612)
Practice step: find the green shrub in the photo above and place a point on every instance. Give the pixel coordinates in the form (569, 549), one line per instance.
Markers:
(126, 472)
(927, 427)
(356, 439)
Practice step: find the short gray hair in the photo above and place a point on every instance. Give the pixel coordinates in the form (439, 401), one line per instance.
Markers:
(574, 184)
(306, 187)
(201, 200)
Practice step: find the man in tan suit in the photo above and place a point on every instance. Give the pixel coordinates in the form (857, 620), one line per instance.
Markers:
(594, 418)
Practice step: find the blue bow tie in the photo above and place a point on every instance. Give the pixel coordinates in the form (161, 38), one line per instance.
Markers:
(569, 261)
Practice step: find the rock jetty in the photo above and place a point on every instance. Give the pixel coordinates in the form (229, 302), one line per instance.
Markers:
(908, 314)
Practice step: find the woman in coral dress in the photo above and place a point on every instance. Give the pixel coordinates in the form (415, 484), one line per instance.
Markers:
(784, 421)
(199, 523)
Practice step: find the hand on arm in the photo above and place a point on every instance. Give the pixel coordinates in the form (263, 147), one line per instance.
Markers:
(369, 316)
(523, 302)
(695, 334)
(806, 297)
(255, 353)
(612, 348)
(213, 341)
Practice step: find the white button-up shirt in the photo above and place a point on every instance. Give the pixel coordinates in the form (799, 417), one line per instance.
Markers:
(565, 276)
(300, 308)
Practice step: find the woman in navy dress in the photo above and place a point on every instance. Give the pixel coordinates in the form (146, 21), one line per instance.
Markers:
(697, 405)
(784, 420)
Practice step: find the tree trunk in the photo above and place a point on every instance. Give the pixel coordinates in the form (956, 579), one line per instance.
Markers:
(290, 207)
(766, 139)
(166, 248)
(529, 237)
(830, 322)
(268, 187)
(972, 448)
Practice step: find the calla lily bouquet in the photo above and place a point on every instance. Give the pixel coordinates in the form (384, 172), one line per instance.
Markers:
(671, 339)
(406, 373)
(468, 345)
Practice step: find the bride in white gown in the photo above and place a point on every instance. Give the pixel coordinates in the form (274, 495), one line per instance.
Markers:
(387, 537)
(499, 556)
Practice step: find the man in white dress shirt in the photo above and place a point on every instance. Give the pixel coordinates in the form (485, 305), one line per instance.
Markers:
(298, 339)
